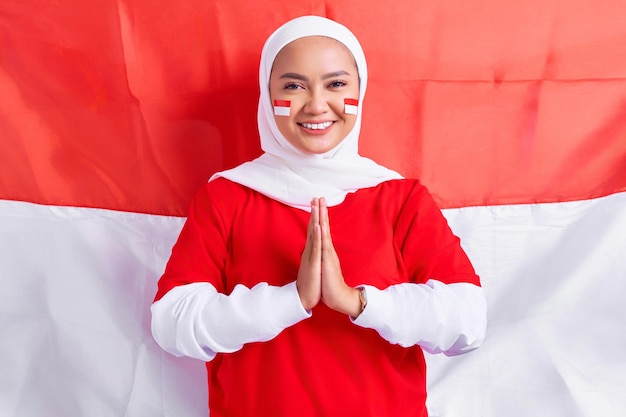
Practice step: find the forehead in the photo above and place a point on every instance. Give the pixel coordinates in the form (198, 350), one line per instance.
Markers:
(314, 48)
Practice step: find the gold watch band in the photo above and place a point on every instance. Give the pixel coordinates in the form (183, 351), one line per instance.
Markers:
(363, 299)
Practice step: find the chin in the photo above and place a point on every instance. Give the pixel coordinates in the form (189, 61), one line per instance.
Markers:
(318, 149)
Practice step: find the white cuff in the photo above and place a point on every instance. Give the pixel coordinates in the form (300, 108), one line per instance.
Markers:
(449, 319)
(197, 321)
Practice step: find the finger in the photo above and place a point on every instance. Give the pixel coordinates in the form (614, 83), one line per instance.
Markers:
(308, 281)
(324, 221)
(323, 211)
(327, 242)
(316, 252)
(314, 238)
(315, 210)
(314, 216)
(313, 220)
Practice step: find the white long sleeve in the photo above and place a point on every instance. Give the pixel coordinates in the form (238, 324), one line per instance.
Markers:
(197, 321)
(449, 319)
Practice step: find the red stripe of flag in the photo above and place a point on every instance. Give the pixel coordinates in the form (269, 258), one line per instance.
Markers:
(75, 131)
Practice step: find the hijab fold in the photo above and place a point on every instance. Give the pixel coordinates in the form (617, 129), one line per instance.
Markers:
(287, 174)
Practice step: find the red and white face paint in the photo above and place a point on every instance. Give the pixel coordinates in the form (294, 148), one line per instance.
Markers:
(351, 106)
(282, 107)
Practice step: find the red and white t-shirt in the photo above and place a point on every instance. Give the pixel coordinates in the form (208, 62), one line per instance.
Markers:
(228, 297)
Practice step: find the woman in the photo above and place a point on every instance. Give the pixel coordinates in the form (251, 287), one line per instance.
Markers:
(311, 279)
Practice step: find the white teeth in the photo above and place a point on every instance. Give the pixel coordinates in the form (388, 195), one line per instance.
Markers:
(317, 126)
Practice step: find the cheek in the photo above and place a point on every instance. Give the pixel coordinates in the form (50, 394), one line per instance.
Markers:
(278, 121)
(282, 122)
(350, 122)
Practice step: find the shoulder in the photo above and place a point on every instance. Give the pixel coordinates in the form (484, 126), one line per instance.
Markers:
(223, 185)
(230, 199)
(404, 186)
(222, 189)
(401, 192)
(220, 195)
(409, 200)
(392, 200)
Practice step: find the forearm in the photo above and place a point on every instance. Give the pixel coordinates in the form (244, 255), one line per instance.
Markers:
(449, 319)
(197, 321)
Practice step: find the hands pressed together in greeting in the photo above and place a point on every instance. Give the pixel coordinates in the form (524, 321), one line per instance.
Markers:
(319, 276)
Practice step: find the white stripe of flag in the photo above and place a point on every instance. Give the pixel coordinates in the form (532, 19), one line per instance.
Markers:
(351, 106)
(282, 107)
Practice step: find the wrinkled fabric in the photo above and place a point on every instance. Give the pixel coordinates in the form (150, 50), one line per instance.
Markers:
(133, 104)
(505, 110)
(78, 285)
(285, 173)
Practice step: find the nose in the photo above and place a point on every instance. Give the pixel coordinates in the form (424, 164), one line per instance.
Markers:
(317, 103)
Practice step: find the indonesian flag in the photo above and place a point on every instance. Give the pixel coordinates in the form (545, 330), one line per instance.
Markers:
(282, 107)
(351, 105)
(113, 113)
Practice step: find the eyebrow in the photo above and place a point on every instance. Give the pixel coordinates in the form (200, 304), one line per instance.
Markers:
(301, 77)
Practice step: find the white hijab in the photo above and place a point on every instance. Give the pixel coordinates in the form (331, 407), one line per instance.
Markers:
(287, 174)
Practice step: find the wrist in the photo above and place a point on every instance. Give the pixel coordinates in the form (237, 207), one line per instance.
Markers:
(307, 299)
(362, 297)
(358, 302)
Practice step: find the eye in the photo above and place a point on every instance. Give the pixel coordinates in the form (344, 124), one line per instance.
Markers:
(292, 86)
(337, 84)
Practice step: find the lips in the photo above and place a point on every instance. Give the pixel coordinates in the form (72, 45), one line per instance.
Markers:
(316, 126)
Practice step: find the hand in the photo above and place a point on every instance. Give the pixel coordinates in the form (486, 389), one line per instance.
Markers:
(336, 294)
(309, 279)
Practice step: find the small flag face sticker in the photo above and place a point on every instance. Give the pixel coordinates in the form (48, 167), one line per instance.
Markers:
(282, 107)
(351, 106)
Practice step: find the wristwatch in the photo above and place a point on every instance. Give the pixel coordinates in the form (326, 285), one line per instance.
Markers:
(363, 299)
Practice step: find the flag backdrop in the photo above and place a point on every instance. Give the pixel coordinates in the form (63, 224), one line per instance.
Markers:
(112, 114)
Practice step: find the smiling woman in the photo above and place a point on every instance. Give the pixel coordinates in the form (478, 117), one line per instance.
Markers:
(316, 74)
(291, 317)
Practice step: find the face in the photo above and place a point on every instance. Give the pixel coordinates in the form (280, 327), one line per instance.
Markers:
(316, 74)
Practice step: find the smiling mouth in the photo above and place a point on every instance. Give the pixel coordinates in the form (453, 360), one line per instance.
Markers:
(316, 126)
